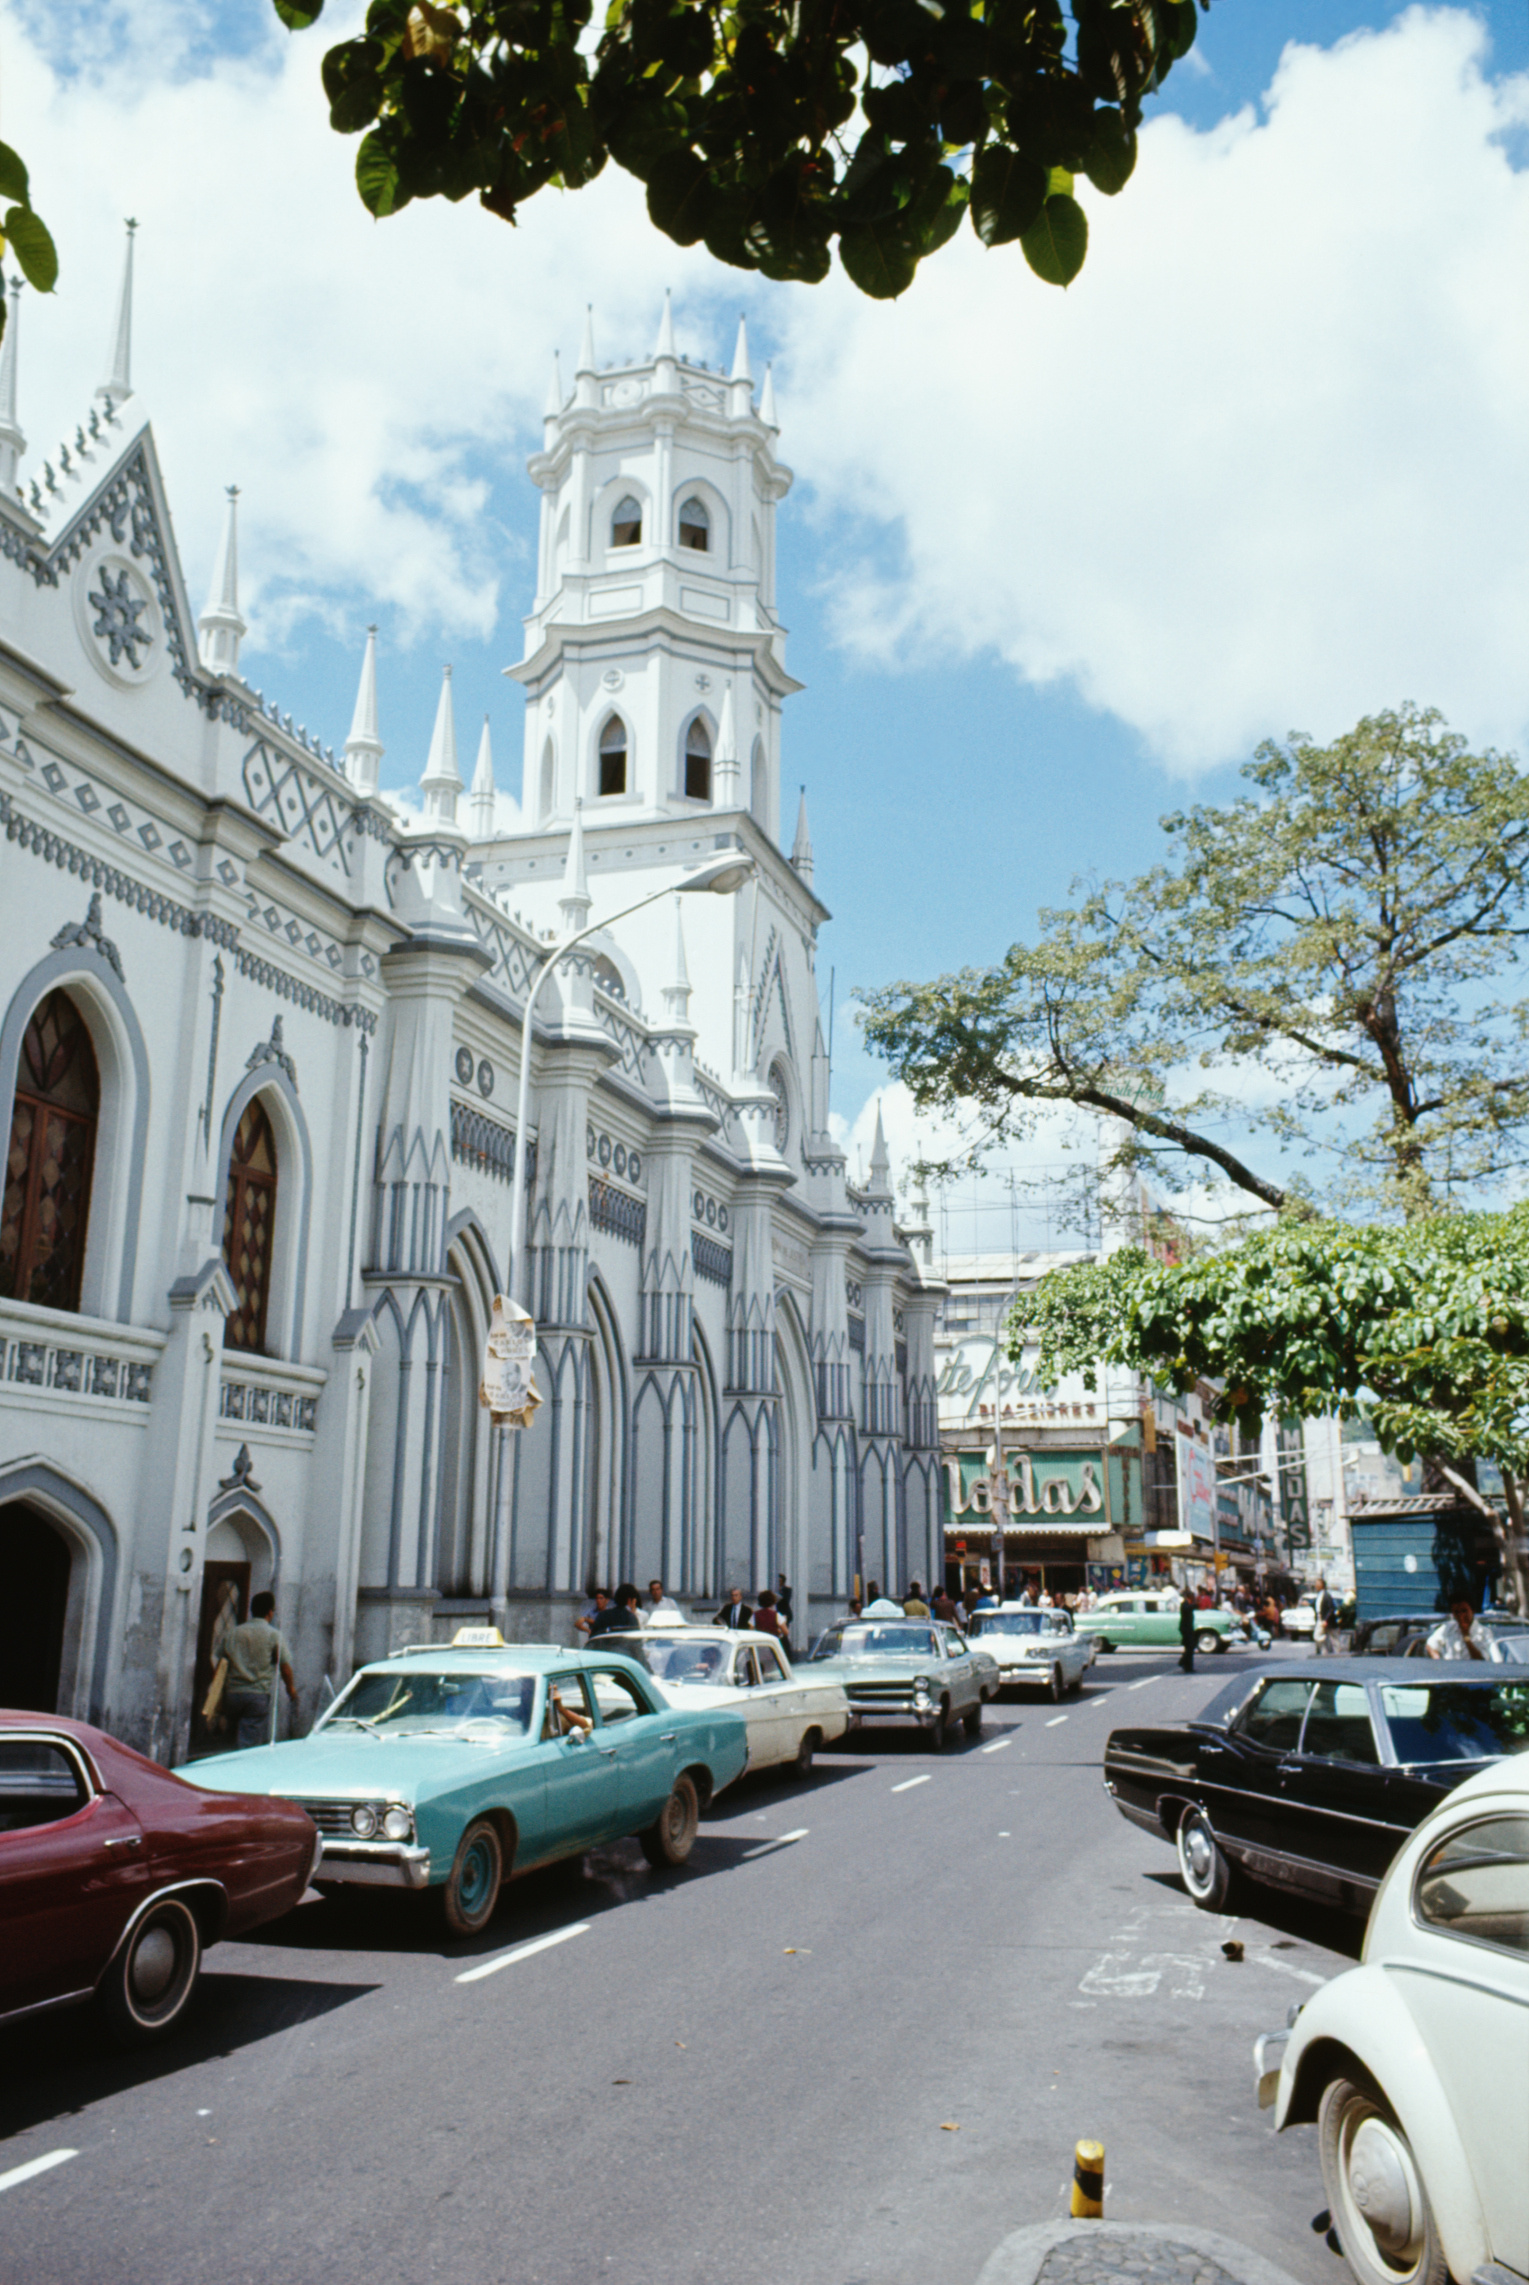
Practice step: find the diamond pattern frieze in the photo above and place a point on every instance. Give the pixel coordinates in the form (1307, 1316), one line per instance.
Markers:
(287, 794)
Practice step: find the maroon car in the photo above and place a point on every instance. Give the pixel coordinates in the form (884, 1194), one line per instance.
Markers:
(115, 1876)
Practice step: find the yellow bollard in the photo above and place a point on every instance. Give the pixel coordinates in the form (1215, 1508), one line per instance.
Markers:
(1088, 2182)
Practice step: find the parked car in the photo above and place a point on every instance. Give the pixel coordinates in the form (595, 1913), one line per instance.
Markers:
(909, 1670)
(455, 1768)
(115, 1876)
(1412, 2065)
(1035, 1649)
(1149, 1620)
(1299, 1618)
(1407, 1636)
(1312, 1782)
(788, 1714)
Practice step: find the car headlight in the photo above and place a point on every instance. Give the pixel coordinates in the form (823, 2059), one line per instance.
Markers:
(363, 1821)
(398, 1823)
(921, 1685)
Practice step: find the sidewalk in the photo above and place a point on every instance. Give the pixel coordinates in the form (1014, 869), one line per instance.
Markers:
(1126, 2253)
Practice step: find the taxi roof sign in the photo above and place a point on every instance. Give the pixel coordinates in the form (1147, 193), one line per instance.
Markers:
(478, 1638)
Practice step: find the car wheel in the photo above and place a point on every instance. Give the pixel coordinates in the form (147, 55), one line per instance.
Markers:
(811, 1740)
(1207, 1641)
(149, 1984)
(1057, 1685)
(939, 1728)
(1106, 1647)
(472, 1885)
(1375, 2192)
(1206, 1871)
(671, 1837)
(971, 1722)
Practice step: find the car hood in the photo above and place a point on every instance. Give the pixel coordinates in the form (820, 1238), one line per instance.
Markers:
(847, 1670)
(349, 1765)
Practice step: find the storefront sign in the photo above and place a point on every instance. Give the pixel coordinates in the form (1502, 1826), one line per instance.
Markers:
(1040, 1483)
(1197, 1486)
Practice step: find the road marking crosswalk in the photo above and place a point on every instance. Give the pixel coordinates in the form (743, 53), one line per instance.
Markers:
(521, 1952)
(34, 2167)
(908, 1783)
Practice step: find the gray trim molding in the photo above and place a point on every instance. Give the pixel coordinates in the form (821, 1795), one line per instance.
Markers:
(58, 969)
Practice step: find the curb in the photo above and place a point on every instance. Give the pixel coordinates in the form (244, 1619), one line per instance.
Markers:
(1020, 2258)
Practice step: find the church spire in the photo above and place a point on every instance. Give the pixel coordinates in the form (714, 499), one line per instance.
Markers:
(442, 781)
(575, 900)
(12, 443)
(220, 626)
(480, 809)
(554, 404)
(666, 329)
(364, 748)
(880, 1184)
(586, 362)
(767, 411)
(677, 990)
(741, 370)
(118, 386)
(801, 847)
(740, 382)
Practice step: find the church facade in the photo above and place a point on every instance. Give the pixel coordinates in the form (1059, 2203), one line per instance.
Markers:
(260, 1035)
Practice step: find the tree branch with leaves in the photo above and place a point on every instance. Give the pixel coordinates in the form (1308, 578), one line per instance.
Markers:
(769, 130)
(24, 235)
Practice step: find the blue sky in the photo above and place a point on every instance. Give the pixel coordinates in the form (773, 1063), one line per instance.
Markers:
(1024, 629)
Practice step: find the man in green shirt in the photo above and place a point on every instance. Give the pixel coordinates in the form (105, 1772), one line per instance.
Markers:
(254, 1652)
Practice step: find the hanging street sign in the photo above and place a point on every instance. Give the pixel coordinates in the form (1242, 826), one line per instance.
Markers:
(508, 1394)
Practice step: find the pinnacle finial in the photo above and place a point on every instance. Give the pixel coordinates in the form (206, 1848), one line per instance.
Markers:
(482, 804)
(364, 748)
(442, 781)
(740, 371)
(118, 386)
(575, 900)
(12, 442)
(220, 627)
(767, 401)
(880, 1184)
(666, 328)
(726, 759)
(801, 847)
(677, 990)
(586, 362)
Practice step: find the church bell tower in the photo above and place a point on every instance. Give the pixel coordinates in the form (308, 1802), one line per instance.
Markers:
(654, 667)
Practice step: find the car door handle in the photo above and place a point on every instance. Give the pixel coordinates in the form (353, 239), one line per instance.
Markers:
(668, 1737)
(124, 1841)
(607, 1752)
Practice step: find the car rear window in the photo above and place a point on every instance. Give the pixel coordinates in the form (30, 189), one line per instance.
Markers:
(1456, 1721)
(39, 1783)
(1477, 1884)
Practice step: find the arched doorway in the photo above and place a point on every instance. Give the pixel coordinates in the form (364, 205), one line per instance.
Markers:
(35, 1563)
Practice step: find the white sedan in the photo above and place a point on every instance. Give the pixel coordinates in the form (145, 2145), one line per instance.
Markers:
(1415, 2064)
(788, 1716)
(1035, 1649)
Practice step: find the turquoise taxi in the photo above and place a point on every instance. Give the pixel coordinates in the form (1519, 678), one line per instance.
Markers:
(453, 1768)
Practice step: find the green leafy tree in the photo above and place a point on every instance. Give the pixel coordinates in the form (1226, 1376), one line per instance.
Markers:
(24, 235)
(1422, 1326)
(770, 129)
(1316, 970)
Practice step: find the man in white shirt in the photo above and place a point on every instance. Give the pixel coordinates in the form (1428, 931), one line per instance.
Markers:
(1454, 1638)
(661, 1609)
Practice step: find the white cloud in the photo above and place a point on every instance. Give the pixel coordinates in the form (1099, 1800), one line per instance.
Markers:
(1252, 470)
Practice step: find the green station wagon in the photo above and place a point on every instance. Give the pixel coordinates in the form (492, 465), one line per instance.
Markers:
(455, 1768)
(1150, 1621)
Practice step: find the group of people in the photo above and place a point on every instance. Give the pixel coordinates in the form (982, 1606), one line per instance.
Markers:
(626, 1611)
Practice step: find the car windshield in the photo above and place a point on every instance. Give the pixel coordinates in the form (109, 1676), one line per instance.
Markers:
(1456, 1721)
(1019, 1622)
(877, 1641)
(688, 1661)
(414, 1701)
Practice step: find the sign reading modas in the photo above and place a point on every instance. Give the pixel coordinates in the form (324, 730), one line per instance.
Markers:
(1040, 1484)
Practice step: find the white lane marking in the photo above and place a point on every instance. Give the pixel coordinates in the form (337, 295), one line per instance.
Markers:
(997, 1745)
(782, 1841)
(1051, 1725)
(908, 1783)
(1142, 1684)
(521, 1952)
(1283, 1968)
(19, 2174)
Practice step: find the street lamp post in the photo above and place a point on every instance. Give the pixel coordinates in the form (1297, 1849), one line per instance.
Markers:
(723, 875)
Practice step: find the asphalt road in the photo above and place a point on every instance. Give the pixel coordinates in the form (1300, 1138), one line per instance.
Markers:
(851, 2043)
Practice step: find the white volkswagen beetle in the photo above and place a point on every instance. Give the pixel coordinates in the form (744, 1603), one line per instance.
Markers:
(787, 1714)
(1415, 2064)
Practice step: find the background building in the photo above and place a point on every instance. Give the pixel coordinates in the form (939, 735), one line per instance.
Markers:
(259, 1052)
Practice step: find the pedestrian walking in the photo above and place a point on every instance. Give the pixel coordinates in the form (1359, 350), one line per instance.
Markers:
(585, 1622)
(735, 1612)
(944, 1609)
(1189, 1619)
(255, 1653)
(619, 1617)
(766, 1617)
(1327, 1619)
(914, 1605)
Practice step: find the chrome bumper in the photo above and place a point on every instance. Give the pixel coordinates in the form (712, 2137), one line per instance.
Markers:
(1268, 2055)
(372, 1864)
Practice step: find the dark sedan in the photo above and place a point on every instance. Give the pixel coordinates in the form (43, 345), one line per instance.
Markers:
(115, 1876)
(1311, 1782)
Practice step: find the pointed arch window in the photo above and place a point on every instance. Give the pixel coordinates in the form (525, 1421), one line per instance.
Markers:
(626, 523)
(51, 1158)
(249, 1227)
(695, 527)
(698, 761)
(613, 756)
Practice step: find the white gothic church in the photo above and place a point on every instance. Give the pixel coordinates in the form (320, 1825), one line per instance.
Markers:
(259, 1056)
